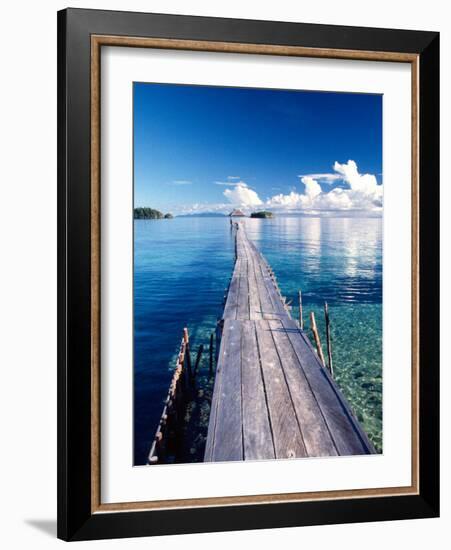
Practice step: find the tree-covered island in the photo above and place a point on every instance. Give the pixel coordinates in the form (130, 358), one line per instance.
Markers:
(262, 214)
(144, 213)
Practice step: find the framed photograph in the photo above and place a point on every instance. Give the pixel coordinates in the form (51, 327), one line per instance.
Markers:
(248, 274)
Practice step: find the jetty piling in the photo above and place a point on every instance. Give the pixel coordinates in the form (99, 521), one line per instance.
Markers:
(218, 336)
(210, 367)
(328, 339)
(301, 317)
(317, 339)
(188, 354)
(198, 358)
(166, 441)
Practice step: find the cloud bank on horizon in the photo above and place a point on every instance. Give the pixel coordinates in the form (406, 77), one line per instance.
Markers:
(354, 193)
(360, 192)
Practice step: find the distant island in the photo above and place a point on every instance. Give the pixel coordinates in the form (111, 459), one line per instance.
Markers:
(142, 213)
(146, 213)
(262, 214)
(202, 215)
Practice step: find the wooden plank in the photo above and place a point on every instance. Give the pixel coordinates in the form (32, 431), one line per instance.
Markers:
(230, 309)
(255, 308)
(348, 436)
(267, 307)
(228, 438)
(262, 266)
(217, 390)
(315, 432)
(278, 308)
(260, 305)
(243, 245)
(274, 297)
(257, 436)
(288, 441)
(240, 242)
(243, 295)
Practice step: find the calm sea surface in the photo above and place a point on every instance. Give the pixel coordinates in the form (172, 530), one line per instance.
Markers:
(182, 267)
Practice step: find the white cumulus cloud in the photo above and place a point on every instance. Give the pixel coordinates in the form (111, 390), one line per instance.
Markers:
(356, 194)
(361, 192)
(326, 178)
(241, 195)
(312, 187)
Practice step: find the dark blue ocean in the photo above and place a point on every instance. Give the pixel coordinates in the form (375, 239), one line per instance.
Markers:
(182, 268)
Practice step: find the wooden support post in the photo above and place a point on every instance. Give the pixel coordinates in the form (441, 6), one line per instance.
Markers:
(198, 357)
(329, 345)
(219, 328)
(210, 370)
(187, 353)
(181, 361)
(160, 446)
(301, 317)
(178, 396)
(317, 338)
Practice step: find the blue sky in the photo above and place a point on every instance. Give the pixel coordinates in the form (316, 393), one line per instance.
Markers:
(202, 148)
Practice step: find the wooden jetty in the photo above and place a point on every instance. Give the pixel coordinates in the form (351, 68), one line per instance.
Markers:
(272, 397)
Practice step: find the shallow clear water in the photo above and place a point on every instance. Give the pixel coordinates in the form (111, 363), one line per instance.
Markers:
(182, 267)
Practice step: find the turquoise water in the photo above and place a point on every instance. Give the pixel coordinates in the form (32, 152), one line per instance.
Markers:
(182, 267)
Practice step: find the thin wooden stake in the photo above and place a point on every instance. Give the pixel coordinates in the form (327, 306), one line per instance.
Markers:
(218, 336)
(301, 318)
(329, 345)
(210, 371)
(199, 355)
(187, 353)
(317, 338)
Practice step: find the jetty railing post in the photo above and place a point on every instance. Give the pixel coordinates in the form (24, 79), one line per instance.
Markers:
(301, 317)
(219, 327)
(198, 358)
(181, 360)
(187, 354)
(167, 442)
(317, 338)
(329, 345)
(210, 370)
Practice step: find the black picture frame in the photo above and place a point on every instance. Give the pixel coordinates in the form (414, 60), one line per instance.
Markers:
(76, 521)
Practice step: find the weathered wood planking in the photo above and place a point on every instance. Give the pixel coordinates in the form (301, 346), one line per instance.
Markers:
(272, 397)
(317, 437)
(255, 306)
(226, 438)
(257, 437)
(231, 305)
(348, 435)
(243, 311)
(287, 436)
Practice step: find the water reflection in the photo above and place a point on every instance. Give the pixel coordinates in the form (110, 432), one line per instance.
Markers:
(332, 258)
